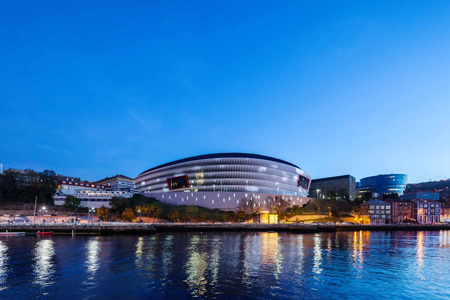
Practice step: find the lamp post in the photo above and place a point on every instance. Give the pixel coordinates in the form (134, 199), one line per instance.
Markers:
(92, 213)
(317, 193)
(43, 214)
(139, 216)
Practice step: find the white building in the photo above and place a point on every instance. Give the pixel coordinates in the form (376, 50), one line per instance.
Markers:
(91, 195)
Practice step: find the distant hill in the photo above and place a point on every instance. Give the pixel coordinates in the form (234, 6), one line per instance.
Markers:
(440, 186)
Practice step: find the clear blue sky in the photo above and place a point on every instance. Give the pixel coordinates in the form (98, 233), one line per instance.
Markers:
(94, 88)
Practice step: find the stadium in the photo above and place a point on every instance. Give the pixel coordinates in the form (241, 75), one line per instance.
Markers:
(225, 181)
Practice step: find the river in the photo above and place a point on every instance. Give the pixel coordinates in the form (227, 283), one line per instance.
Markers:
(228, 265)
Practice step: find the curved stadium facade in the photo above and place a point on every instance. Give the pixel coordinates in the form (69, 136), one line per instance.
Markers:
(224, 180)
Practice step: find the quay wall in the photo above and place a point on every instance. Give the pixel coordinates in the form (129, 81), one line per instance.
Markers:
(145, 228)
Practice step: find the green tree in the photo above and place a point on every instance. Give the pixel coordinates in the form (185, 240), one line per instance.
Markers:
(366, 196)
(120, 204)
(128, 214)
(332, 195)
(241, 215)
(334, 212)
(72, 202)
(103, 213)
(390, 196)
(48, 186)
(173, 215)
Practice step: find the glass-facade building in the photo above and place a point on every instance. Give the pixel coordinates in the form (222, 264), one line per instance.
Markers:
(384, 184)
(223, 176)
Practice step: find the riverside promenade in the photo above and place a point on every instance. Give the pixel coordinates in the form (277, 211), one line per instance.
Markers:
(147, 228)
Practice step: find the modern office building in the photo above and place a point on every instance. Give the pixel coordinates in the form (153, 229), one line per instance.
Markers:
(384, 184)
(344, 187)
(225, 181)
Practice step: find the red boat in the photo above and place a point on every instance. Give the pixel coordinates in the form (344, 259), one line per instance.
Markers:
(44, 232)
(11, 233)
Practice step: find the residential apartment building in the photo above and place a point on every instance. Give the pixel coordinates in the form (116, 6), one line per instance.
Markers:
(427, 211)
(401, 210)
(376, 211)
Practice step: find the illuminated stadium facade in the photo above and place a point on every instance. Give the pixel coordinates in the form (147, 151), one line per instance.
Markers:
(224, 180)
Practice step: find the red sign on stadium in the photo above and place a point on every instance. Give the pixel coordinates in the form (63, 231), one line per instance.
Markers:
(303, 182)
(176, 183)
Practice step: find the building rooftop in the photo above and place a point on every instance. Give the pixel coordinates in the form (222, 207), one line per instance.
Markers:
(221, 155)
(332, 178)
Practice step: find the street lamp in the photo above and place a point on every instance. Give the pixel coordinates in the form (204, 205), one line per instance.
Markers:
(139, 216)
(43, 214)
(92, 211)
(317, 193)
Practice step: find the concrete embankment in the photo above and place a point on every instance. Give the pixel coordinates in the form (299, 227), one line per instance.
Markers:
(129, 228)
(82, 229)
(306, 228)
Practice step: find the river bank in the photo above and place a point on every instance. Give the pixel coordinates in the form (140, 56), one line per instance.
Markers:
(146, 228)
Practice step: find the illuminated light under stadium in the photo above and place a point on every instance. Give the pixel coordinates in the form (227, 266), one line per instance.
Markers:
(223, 180)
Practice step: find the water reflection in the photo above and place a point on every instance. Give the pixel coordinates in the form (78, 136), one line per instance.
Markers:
(145, 255)
(196, 266)
(299, 254)
(271, 252)
(444, 238)
(167, 256)
(420, 255)
(317, 269)
(92, 262)
(3, 265)
(43, 267)
(358, 250)
(214, 262)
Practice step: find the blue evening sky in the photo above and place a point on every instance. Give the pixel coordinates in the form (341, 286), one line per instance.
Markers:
(95, 88)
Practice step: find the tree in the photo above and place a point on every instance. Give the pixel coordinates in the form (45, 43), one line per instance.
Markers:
(334, 212)
(390, 196)
(120, 204)
(366, 196)
(72, 202)
(241, 215)
(279, 205)
(128, 214)
(103, 213)
(173, 215)
(343, 194)
(248, 205)
(191, 212)
(48, 185)
(332, 195)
